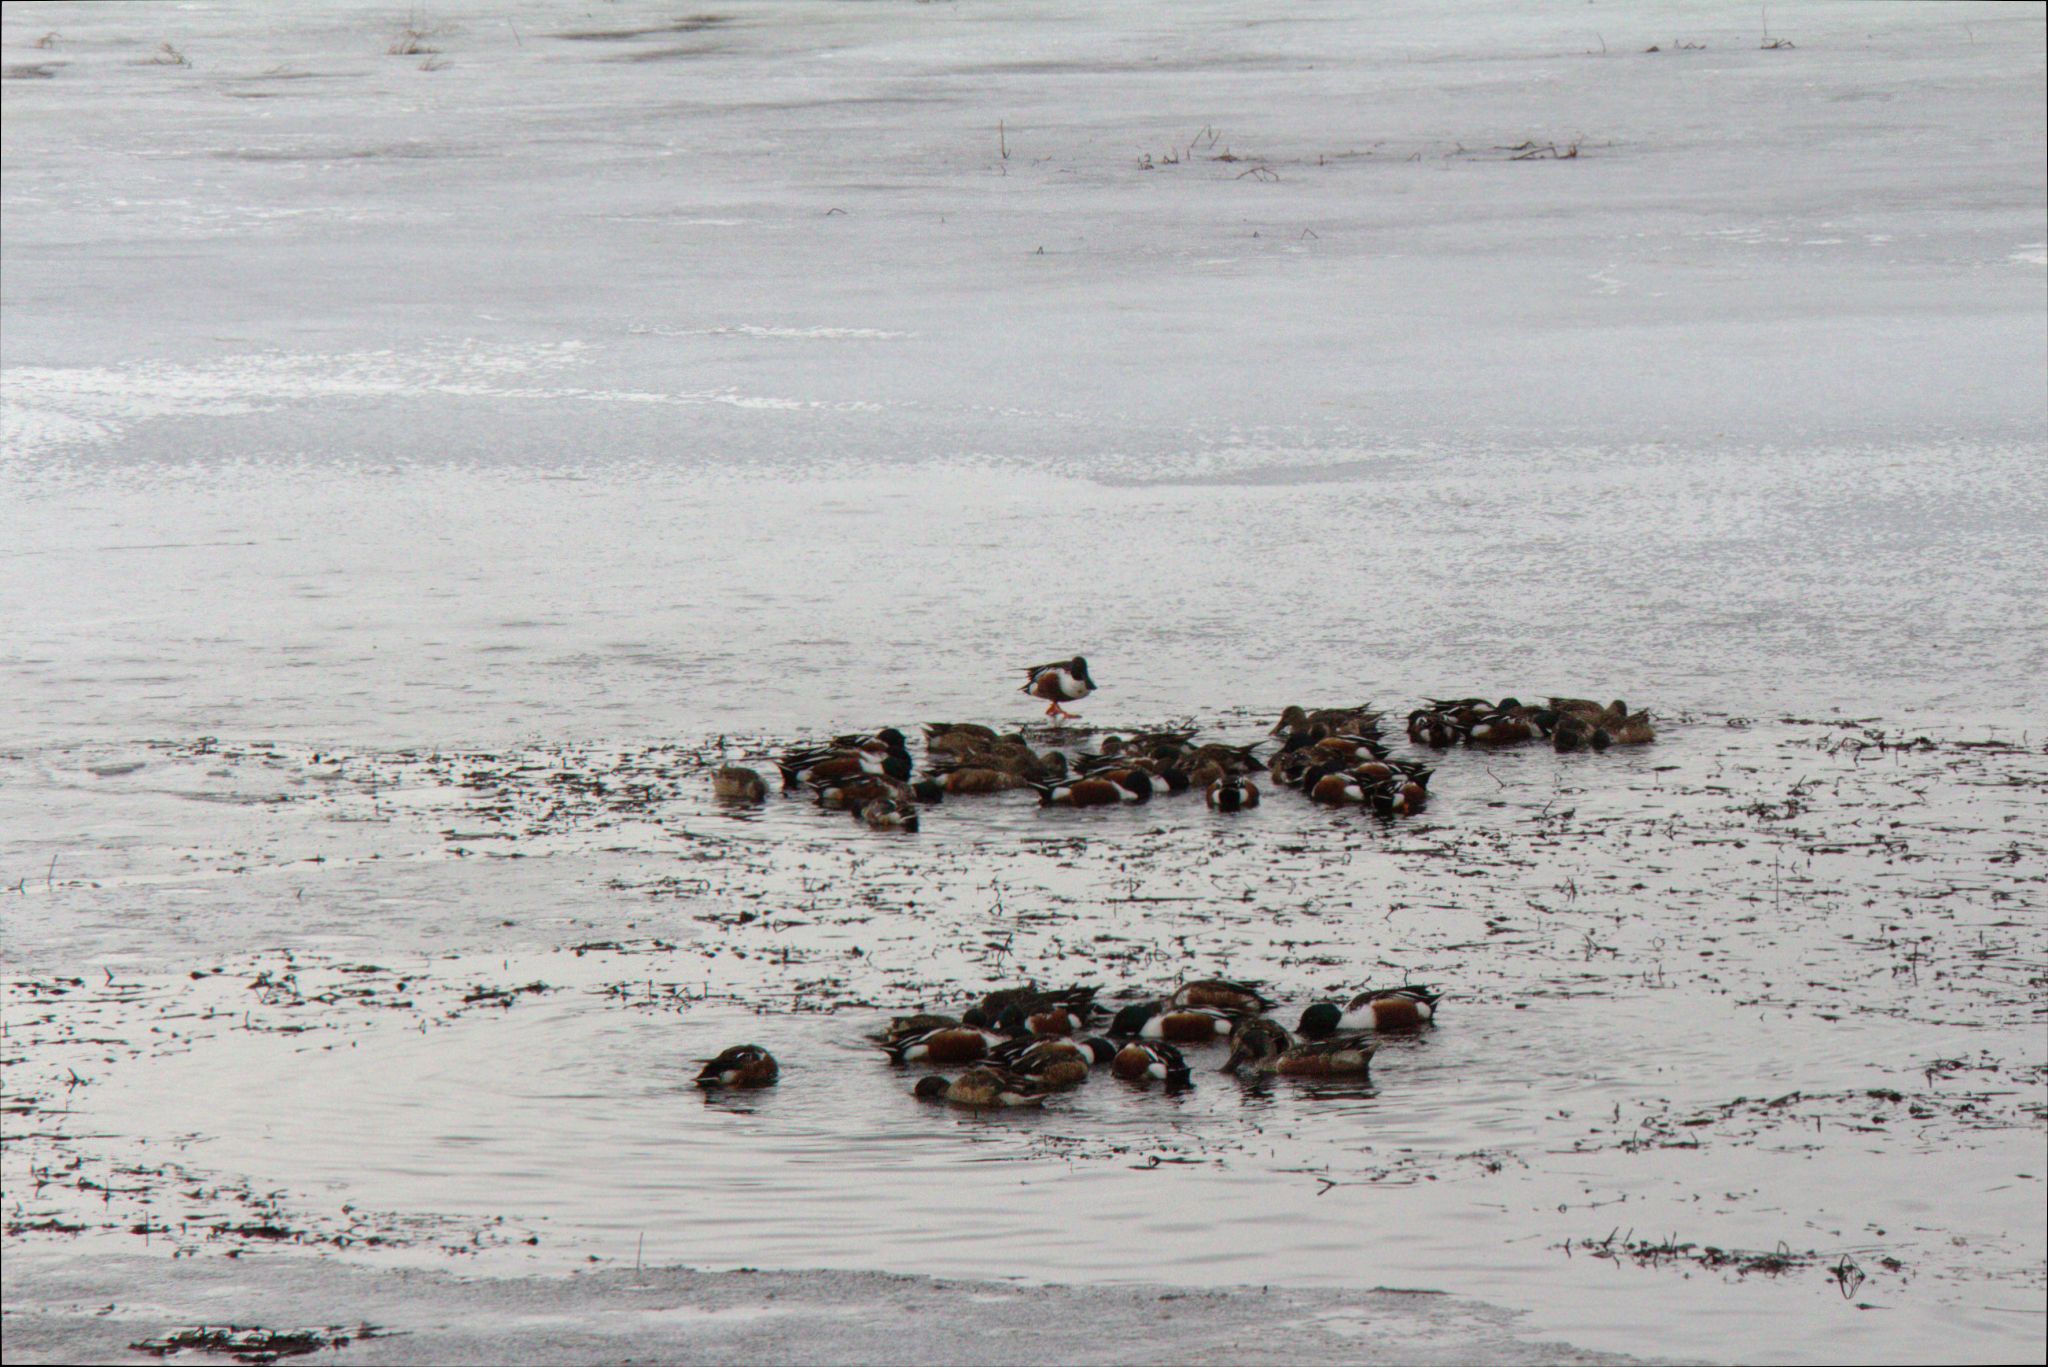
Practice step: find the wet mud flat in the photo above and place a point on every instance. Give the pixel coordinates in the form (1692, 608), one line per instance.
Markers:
(677, 1315)
(1741, 1053)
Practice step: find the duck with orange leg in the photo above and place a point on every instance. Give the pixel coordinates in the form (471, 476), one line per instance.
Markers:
(1060, 682)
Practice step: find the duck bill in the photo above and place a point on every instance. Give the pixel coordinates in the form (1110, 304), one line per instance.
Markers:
(1238, 1058)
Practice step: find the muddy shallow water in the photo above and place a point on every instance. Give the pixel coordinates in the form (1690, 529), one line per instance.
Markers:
(1718, 1008)
(418, 467)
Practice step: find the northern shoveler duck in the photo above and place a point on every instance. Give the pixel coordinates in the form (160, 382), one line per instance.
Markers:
(1132, 786)
(888, 738)
(1163, 779)
(1328, 721)
(1348, 749)
(888, 814)
(1049, 1020)
(1427, 726)
(1020, 759)
(1222, 993)
(1573, 732)
(1058, 1062)
(1264, 1045)
(1011, 757)
(743, 1065)
(1180, 1024)
(1232, 759)
(1398, 796)
(1293, 763)
(1334, 786)
(1381, 770)
(1147, 1061)
(823, 764)
(1633, 729)
(1390, 1008)
(734, 784)
(1029, 999)
(984, 1089)
(852, 794)
(1062, 681)
(1293, 718)
(1231, 794)
(970, 780)
(1168, 747)
(971, 731)
(956, 739)
(901, 1028)
(1462, 711)
(1212, 763)
(1109, 766)
(959, 1043)
(1507, 724)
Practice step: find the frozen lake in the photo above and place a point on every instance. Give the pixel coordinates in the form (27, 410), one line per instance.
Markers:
(549, 385)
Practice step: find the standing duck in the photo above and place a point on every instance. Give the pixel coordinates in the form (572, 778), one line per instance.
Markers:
(1064, 681)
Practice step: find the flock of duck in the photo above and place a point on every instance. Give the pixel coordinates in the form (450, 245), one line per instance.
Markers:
(1027, 1043)
(1336, 756)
